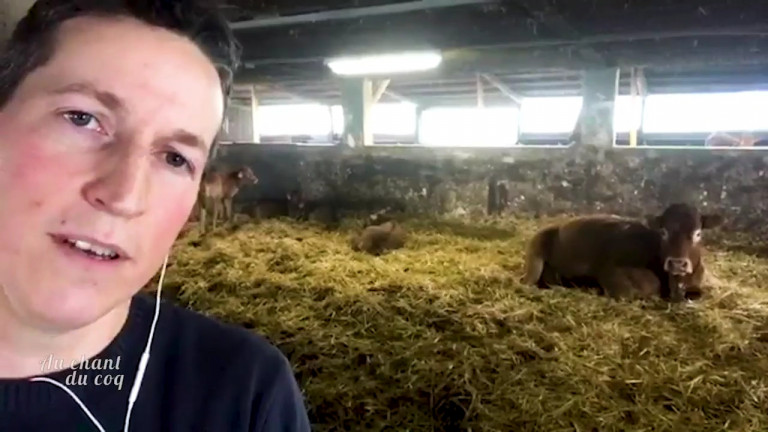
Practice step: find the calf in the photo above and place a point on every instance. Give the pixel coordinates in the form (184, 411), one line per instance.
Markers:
(680, 228)
(619, 254)
(217, 189)
(289, 206)
(376, 239)
(324, 210)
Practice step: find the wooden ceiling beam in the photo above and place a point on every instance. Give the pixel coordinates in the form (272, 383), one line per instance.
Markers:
(503, 88)
(353, 13)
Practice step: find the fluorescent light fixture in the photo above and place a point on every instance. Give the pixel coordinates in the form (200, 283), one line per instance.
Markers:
(385, 63)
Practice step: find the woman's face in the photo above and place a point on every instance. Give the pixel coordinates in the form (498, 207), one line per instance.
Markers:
(101, 153)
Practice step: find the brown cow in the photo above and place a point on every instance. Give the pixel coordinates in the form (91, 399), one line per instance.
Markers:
(680, 228)
(217, 189)
(632, 282)
(619, 254)
(376, 239)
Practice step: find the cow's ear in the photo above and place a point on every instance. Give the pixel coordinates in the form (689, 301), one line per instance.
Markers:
(713, 220)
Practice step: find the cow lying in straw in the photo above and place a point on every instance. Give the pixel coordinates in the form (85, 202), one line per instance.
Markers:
(377, 239)
(625, 257)
(217, 190)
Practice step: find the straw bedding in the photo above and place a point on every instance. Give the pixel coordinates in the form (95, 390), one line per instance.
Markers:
(439, 336)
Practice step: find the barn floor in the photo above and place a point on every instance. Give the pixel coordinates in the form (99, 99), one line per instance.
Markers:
(440, 337)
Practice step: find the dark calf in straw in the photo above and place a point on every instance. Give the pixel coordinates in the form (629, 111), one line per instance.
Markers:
(625, 257)
(217, 189)
(377, 239)
(288, 206)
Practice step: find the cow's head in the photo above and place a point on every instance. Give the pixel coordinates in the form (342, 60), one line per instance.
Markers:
(680, 227)
(246, 175)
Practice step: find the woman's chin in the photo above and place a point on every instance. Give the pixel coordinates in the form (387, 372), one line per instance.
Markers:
(66, 309)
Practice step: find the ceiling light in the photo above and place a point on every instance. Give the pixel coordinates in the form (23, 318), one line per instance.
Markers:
(385, 63)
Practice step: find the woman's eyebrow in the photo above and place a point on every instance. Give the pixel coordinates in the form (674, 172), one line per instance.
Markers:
(108, 99)
(189, 139)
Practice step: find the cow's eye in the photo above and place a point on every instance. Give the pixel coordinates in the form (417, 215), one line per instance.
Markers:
(664, 233)
(696, 236)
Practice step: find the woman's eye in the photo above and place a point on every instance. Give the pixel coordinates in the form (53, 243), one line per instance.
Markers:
(82, 119)
(175, 160)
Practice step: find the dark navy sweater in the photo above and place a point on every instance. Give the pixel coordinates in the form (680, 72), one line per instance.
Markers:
(202, 376)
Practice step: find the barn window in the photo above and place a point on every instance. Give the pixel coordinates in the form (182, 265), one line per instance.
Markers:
(708, 112)
(306, 119)
(337, 115)
(469, 127)
(628, 113)
(393, 122)
(549, 115)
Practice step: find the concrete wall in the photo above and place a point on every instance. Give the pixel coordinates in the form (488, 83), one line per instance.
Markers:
(538, 181)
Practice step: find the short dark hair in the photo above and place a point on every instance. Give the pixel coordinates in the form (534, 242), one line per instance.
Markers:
(33, 41)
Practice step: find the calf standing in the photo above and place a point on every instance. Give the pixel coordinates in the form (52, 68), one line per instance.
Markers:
(621, 254)
(217, 189)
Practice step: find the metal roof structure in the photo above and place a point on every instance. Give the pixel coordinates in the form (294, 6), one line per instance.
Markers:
(513, 48)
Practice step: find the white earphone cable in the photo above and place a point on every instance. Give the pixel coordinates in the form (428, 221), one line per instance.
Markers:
(145, 355)
(73, 396)
(134, 394)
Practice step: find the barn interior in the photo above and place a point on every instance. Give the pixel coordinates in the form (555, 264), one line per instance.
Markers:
(440, 335)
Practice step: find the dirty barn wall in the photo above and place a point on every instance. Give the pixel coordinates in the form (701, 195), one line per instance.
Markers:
(537, 181)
